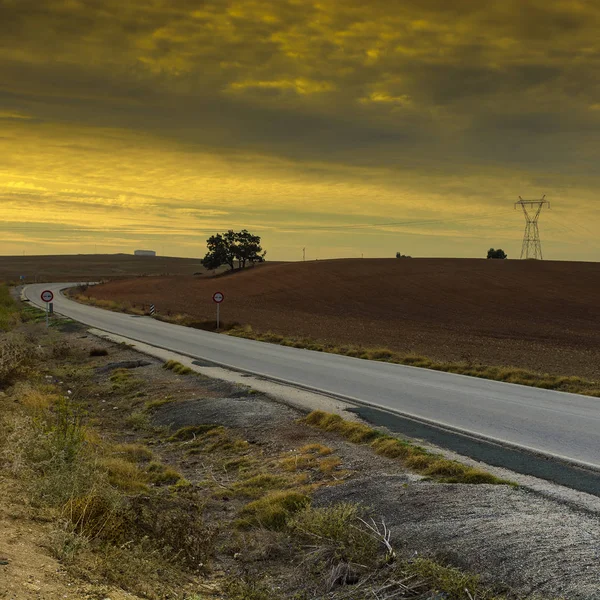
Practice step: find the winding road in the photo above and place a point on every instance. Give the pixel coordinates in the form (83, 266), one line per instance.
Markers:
(554, 424)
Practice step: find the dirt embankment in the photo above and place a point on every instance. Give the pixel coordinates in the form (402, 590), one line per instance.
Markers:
(532, 314)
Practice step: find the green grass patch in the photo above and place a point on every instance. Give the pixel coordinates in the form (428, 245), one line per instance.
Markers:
(412, 456)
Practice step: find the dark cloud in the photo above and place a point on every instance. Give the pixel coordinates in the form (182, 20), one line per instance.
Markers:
(426, 85)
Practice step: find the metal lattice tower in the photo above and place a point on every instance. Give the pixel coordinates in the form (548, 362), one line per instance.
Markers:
(532, 246)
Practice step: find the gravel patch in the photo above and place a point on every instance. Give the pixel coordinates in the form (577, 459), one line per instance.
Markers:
(253, 414)
(529, 543)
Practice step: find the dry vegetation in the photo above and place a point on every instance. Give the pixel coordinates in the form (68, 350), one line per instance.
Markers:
(197, 512)
(412, 457)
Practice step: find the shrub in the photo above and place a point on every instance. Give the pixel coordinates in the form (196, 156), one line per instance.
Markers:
(16, 357)
(338, 534)
(496, 253)
(9, 312)
(176, 523)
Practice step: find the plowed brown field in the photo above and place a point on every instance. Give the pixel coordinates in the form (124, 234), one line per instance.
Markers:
(93, 267)
(532, 314)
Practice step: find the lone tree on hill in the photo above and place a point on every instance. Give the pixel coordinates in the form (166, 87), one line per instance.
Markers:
(496, 253)
(226, 248)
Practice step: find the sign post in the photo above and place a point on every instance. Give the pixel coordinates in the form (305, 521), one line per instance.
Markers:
(218, 298)
(47, 297)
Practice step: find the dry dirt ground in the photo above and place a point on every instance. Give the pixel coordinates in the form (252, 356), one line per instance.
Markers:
(93, 267)
(538, 315)
(514, 538)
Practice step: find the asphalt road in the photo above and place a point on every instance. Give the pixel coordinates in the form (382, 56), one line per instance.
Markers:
(552, 423)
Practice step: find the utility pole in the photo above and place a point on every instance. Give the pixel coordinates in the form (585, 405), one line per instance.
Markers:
(303, 254)
(532, 246)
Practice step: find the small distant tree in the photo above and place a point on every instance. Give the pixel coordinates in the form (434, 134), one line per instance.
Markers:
(231, 246)
(400, 255)
(496, 253)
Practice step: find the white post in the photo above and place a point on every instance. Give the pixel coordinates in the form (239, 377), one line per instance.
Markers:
(47, 314)
(218, 307)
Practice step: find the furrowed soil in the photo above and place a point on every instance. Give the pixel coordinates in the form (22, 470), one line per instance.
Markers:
(93, 267)
(187, 436)
(537, 315)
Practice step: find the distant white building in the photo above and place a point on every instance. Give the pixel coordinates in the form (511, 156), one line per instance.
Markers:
(145, 253)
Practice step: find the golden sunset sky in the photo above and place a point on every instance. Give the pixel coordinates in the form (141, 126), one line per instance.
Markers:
(351, 127)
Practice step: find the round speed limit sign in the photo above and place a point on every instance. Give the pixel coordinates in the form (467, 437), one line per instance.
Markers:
(218, 297)
(47, 296)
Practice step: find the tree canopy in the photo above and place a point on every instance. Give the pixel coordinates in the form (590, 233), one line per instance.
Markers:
(231, 246)
(496, 253)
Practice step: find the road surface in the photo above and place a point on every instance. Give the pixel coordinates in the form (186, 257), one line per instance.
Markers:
(552, 423)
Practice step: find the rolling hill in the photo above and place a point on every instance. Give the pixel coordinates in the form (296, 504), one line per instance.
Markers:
(92, 267)
(533, 314)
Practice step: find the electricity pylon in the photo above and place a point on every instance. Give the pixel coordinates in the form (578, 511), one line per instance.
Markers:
(532, 246)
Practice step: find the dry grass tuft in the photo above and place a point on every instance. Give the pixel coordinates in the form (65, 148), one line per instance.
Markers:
(319, 449)
(124, 475)
(355, 432)
(177, 367)
(257, 485)
(133, 452)
(412, 457)
(217, 439)
(336, 534)
(191, 432)
(273, 510)
(159, 473)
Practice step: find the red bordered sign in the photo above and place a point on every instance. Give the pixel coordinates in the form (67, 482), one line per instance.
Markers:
(47, 296)
(218, 297)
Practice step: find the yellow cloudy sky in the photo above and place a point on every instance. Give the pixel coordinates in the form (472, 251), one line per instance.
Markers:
(351, 127)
